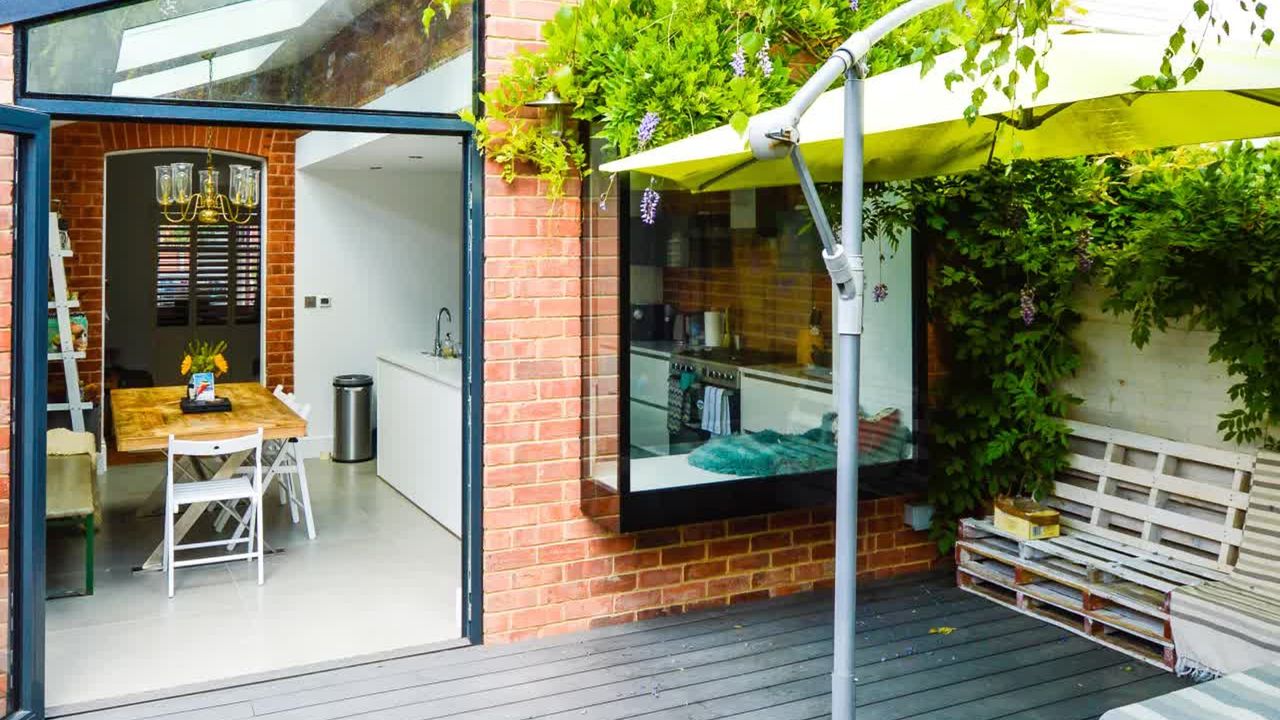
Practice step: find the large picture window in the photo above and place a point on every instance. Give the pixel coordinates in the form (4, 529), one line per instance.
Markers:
(709, 388)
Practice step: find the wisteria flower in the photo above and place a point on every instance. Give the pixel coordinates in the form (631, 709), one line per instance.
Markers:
(649, 205)
(763, 61)
(880, 292)
(853, 5)
(1027, 301)
(1084, 255)
(739, 62)
(648, 125)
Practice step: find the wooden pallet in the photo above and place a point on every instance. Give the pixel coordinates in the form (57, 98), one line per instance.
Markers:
(1141, 517)
(1099, 588)
(1181, 501)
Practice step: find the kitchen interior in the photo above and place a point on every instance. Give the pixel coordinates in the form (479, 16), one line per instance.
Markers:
(731, 326)
(374, 556)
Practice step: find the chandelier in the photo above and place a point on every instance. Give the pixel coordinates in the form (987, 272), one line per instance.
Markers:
(207, 206)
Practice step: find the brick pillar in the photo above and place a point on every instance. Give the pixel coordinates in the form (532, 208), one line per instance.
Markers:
(547, 568)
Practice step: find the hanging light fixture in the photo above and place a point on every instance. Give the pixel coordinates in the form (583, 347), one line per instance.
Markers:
(207, 206)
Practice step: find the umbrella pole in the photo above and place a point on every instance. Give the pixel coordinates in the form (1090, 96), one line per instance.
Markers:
(848, 348)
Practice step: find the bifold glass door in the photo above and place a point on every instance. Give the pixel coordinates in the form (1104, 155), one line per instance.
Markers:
(24, 228)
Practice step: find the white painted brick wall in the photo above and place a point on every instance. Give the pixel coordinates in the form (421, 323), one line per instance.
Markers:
(1168, 389)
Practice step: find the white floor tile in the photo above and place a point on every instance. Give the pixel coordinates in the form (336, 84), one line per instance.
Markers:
(380, 576)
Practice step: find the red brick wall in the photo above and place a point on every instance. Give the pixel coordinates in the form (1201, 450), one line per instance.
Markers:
(6, 341)
(79, 151)
(548, 568)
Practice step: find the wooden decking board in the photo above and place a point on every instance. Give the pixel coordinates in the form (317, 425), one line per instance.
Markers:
(940, 702)
(1047, 694)
(1089, 707)
(979, 669)
(762, 661)
(479, 676)
(921, 667)
(524, 688)
(470, 679)
(584, 659)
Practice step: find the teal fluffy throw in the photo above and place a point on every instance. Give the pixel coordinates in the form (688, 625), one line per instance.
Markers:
(772, 453)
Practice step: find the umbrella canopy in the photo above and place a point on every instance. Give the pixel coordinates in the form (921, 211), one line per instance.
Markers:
(915, 126)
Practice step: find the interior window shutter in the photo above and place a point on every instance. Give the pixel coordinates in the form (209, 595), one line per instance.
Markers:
(173, 274)
(248, 274)
(213, 274)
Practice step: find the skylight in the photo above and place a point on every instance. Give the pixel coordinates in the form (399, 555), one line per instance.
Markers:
(211, 30)
(167, 82)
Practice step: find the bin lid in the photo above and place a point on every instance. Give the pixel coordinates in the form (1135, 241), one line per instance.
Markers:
(352, 381)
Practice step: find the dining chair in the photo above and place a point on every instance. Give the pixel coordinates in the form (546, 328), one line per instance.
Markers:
(286, 464)
(245, 484)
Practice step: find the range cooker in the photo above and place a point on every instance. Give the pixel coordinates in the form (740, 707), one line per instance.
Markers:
(720, 366)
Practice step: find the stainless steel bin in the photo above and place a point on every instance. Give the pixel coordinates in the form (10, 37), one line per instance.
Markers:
(352, 418)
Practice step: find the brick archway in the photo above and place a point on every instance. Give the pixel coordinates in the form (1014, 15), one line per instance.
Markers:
(79, 163)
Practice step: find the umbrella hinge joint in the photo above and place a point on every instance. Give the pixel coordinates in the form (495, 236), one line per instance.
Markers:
(847, 273)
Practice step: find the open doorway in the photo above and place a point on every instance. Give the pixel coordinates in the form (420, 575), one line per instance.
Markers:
(170, 279)
(355, 248)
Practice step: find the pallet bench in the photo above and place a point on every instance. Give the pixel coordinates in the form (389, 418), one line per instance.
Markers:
(1141, 516)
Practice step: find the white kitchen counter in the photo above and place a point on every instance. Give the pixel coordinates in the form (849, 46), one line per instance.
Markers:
(420, 432)
(442, 370)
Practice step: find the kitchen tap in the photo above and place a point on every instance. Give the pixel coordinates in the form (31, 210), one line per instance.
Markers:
(438, 349)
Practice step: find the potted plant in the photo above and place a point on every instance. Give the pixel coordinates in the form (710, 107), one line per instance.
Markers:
(201, 364)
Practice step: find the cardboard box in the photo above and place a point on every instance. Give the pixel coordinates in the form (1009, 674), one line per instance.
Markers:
(1026, 519)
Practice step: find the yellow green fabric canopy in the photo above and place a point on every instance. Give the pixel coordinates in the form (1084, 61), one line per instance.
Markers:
(915, 126)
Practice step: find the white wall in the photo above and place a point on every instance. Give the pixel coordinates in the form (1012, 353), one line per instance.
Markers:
(387, 247)
(1168, 389)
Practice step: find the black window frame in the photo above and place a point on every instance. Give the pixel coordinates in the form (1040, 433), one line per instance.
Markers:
(668, 507)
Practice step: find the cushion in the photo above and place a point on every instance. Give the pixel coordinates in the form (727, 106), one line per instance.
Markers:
(69, 488)
(1258, 565)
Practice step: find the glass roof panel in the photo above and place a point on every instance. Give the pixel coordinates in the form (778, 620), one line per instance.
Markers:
(321, 53)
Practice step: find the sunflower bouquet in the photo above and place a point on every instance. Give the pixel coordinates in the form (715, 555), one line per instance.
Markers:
(204, 357)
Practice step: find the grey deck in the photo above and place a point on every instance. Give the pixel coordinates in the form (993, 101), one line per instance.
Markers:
(763, 661)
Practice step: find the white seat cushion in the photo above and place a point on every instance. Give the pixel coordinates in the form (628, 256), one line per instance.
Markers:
(233, 488)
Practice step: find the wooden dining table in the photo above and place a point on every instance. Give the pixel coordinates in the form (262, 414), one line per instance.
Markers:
(144, 418)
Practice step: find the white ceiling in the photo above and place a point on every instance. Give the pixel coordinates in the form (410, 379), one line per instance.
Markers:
(399, 153)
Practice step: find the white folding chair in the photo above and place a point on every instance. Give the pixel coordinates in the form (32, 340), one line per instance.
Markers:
(243, 484)
(285, 463)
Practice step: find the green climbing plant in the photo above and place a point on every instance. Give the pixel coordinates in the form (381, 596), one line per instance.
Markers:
(1009, 246)
(1196, 237)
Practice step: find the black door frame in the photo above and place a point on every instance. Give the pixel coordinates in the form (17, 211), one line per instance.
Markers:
(31, 120)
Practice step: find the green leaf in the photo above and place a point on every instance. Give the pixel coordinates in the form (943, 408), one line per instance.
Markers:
(1146, 82)
(1026, 55)
(1268, 36)
(1201, 8)
(428, 14)
(739, 122)
(751, 42)
(1042, 79)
